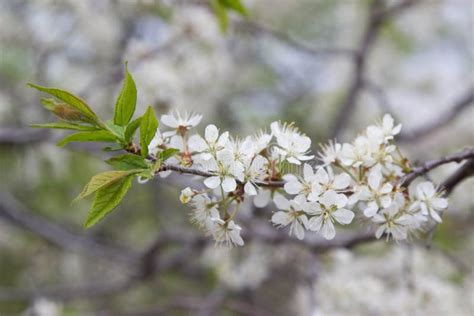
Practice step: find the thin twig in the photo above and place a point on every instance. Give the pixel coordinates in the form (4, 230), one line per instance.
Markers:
(377, 17)
(432, 164)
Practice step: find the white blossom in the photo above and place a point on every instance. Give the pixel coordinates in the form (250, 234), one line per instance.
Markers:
(208, 146)
(204, 209)
(429, 201)
(227, 172)
(303, 186)
(254, 169)
(158, 140)
(357, 153)
(292, 213)
(263, 197)
(329, 209)
(377, 193)
(331, 153)
(327, 181)
(392, 222)
(227, 233)
(177, 121)
(384, 132)
(186, 195)
(292, 145)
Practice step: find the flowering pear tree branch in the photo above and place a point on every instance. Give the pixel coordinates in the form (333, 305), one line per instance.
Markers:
(367, 177)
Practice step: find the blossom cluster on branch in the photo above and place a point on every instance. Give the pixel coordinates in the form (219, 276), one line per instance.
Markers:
(367, 179)
(361, 179)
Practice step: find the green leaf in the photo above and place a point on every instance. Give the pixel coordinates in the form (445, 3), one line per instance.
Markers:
(104, 179)
(70, 99)
(221, 14)
(148, 127)
(163, 156)
(117, 130)
(128, 162)
(48, 103)
(68, 126)
(131, 128)
(126, 101)
(92, 136)
(106, 199)
(113, 148)
(168, 153)
(235, 5)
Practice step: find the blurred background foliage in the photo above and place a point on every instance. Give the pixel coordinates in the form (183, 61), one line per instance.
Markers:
(287, 60)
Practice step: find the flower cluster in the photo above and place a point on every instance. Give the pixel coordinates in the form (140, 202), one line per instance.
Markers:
(362, 178)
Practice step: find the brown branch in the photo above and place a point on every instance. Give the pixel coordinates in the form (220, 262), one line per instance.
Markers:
(462, 104)
(432, 164)
(461, 174)
(377, 17)
(197, 172)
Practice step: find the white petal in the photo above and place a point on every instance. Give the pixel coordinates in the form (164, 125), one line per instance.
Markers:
(212, 182)
(262, 199)
(281, 202)
(329, 198)
(342, 181)
(374, 179)
(281, 218)
(169, 120)
(258, 163)
(293, 161)
(380, 231)
(290, 177)
(322, 176)
(385, 201)
(328, 230)
(307, 172)
(386, 188)
(197, 143)
(236, 239)
(397, 129)
(371, 209)
(315, 223)
(195, 120)
(439, 203)
(387, 121)
(341, 200)
(293, 187)
(223, 139)
(305, 157)
(211, 133)
(299, 230)
(436, 216)
(399, 232)
(426, 189)
(415, 206)
(249, 188)
(343, 216)
(229, 184)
